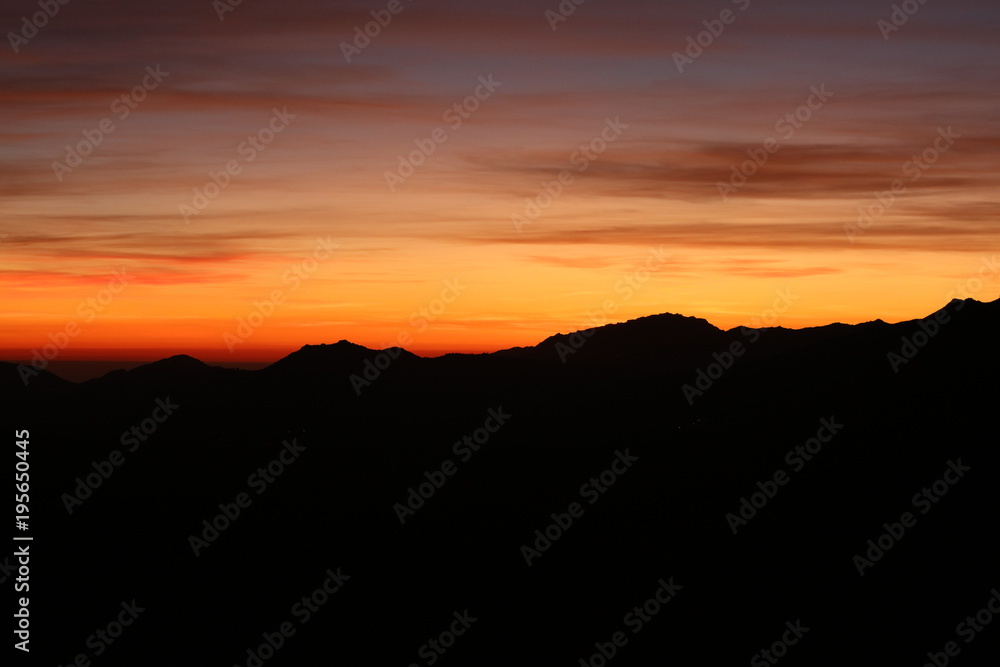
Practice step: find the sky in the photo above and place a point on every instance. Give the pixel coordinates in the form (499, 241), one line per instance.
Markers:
(235, 181)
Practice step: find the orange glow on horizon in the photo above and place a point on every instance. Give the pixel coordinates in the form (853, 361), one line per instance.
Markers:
(594, 183)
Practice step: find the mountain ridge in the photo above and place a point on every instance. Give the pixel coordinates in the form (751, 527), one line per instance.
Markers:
(663, 342)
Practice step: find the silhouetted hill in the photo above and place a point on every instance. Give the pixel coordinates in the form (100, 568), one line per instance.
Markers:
(663, 342)
(180, 365)
(179, 369)
(431, 482)
(15, 377)
(339, 357)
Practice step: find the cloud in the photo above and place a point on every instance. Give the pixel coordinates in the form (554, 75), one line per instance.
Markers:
(760, 269)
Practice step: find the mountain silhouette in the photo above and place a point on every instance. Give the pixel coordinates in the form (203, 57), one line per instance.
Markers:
(546, 493)
(18, 376)
(339, 357)
(662, 343)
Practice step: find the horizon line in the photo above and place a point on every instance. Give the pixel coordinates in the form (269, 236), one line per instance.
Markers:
(263, 357)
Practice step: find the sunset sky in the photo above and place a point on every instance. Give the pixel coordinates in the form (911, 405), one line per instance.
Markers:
(648, 197)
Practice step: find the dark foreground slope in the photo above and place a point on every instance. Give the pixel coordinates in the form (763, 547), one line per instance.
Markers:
(692, 418)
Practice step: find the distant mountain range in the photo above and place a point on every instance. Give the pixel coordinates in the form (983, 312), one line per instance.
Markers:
(838, 478)
(656, 343)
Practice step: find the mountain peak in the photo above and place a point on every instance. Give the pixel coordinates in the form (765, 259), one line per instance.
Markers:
(176, 366)
(661, 341)
(340, 356)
